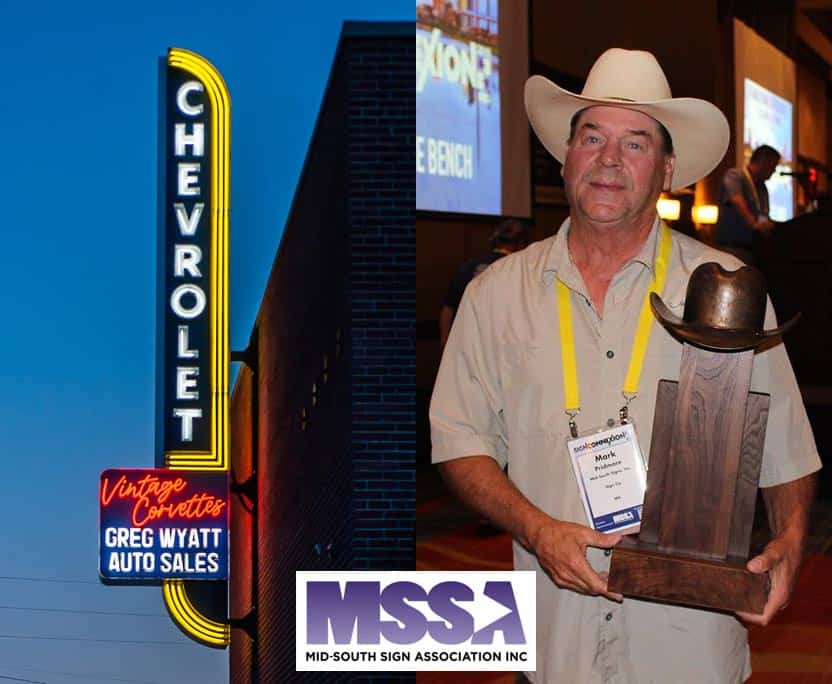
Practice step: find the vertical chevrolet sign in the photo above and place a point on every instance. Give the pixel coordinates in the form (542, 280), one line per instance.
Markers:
(192, 334)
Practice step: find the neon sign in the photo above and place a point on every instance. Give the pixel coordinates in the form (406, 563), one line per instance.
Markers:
(171, 524)
(192, 383)
(163, 524)
(151, 494)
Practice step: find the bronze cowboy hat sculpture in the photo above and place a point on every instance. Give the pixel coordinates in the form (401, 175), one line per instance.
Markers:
(724, 310)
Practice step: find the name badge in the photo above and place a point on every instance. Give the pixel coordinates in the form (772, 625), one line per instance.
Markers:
(611, 477)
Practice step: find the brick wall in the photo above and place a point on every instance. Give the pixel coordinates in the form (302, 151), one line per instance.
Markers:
(241, 588)
(300, 404)
(381, 201)
(329, 412)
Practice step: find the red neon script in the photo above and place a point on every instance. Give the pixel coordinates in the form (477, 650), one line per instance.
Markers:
(151, 495)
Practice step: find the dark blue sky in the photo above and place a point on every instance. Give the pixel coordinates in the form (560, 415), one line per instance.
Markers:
(78, 115)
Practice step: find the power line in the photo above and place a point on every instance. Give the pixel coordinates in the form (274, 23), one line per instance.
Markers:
(18, 679)
(84, 612)
(18, 578)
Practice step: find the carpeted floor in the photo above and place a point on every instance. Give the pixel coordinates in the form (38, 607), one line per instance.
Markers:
(795, 649)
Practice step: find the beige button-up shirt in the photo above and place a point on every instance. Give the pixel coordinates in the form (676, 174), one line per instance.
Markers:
(499, 392)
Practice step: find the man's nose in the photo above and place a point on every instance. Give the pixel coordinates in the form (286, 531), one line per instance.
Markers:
(610, 153)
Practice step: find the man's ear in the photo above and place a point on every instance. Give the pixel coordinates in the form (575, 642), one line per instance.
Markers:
(565, 157)
(669, 167)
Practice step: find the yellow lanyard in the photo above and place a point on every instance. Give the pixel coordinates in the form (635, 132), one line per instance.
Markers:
(571, 397)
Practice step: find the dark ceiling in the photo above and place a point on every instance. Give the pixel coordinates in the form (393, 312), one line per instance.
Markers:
(822, 19)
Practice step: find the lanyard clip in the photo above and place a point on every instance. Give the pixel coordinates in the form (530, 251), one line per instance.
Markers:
(573, 426)
(624, 411)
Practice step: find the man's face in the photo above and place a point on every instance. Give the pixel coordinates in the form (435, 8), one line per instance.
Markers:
(615, 168)
(769, 167)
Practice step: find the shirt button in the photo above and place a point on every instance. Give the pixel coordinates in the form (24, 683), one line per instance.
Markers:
(608, 617)
(607, 552)
(610, 422)
(610, 353)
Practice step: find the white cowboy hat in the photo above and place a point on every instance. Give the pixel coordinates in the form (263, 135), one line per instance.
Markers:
(633, 79)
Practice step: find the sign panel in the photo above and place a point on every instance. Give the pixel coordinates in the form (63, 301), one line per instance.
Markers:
(186, 263)
(163, 524)
(193, 254)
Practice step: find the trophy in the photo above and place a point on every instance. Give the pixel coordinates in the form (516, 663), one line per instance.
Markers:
(705, 455)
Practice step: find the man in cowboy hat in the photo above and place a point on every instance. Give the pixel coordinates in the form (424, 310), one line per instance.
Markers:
(548, 341)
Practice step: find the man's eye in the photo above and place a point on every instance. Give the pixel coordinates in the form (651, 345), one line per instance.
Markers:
(593, 139)
(635, 146)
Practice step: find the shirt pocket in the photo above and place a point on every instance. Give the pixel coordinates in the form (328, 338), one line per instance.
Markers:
(532, 385)
(539, 466)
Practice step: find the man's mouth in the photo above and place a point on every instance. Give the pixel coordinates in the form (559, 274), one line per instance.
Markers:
(606, 185)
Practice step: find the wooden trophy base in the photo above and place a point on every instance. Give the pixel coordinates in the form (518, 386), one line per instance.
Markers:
(640, 570)
(705, 457)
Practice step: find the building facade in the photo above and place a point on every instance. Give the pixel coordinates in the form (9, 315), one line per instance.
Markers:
(322, 413)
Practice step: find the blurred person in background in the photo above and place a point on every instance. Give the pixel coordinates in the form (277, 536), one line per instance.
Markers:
(743, 204)
(509, 236)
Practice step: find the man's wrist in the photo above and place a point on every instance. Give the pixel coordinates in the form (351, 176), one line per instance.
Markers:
(532, 528)
(793, 537)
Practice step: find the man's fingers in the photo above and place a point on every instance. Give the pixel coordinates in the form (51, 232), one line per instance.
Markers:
(577, 574)
(775, 603)
(612, 596)
(751, 618)
(584, 572)
(775, 560)
(770, 557)
(563, 556)
(758, 564)
(602, 541)
(567, 579)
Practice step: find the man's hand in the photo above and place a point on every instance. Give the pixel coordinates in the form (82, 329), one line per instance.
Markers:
(788, 507)
(781, 559)
(560, 548)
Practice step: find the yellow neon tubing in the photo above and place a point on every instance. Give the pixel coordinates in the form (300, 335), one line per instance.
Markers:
(219, 101)
(197, 626)
(179, 605)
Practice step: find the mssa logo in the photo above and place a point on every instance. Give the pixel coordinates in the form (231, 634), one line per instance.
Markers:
(382, 621)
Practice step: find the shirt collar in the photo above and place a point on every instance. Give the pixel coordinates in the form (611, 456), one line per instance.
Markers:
(559, 261)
